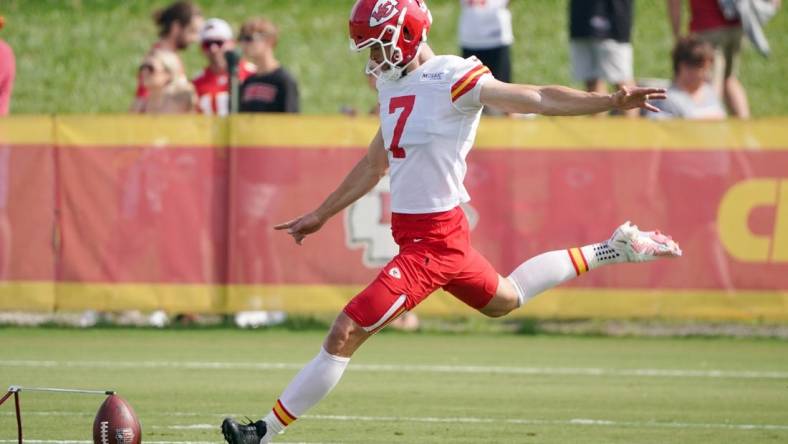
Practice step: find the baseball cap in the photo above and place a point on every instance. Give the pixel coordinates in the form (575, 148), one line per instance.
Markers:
(216, 29)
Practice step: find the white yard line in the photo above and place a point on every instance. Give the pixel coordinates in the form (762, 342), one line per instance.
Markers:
(518, 421)
(400, 368)
(561, 422)
(449, 420)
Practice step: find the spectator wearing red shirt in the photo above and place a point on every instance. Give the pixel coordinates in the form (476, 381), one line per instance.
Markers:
(7, 73)
(179, 26)
(213, 83)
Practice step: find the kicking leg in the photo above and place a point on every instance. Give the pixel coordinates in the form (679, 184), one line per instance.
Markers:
(545, 271)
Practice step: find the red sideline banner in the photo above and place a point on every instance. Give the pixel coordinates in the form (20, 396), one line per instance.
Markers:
(156, 221)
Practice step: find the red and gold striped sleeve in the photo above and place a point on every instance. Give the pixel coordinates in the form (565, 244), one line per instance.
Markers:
(468, 81)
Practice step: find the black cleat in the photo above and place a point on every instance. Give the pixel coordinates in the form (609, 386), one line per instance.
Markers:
(236, 433)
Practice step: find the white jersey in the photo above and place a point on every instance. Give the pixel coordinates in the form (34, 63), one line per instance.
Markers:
(428, 119)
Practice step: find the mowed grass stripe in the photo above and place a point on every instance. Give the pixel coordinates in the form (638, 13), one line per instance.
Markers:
(397, 368)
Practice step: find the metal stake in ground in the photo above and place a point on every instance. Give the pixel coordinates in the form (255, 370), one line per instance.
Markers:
(16, 389)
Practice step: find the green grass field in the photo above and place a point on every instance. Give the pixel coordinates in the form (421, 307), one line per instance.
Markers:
(407, 388)
(77, 56)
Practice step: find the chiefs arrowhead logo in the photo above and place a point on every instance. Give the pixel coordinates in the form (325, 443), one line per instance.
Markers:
(394, 272)
(383, 11)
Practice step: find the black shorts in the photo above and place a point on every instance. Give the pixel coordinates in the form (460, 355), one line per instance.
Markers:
(497, 59)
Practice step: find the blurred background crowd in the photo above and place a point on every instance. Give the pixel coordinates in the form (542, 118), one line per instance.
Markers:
(242, 73)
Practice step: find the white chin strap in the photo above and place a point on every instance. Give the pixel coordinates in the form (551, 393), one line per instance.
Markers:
(393, 72)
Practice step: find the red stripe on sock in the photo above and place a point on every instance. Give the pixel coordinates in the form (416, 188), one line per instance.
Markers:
(282, 406)
(281, 421)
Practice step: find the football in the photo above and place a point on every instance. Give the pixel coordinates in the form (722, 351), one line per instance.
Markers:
(116, 423)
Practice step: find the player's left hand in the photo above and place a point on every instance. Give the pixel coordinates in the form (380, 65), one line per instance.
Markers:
(629, 98)
(301, 226)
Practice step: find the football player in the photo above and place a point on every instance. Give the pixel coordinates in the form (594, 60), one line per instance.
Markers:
(430, 107)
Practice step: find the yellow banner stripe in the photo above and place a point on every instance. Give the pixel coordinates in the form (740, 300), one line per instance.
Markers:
(319, 132)
(577, 258)
(562, 302)
(476, 73)
(159, 131)
(27, 129)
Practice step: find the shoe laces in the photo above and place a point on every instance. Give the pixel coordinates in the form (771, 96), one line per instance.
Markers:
(249, 429)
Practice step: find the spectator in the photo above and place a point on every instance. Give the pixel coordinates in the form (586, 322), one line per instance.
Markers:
(168, 89)
(271, 88)
(600, 48)
(213, 84)
(709, 24)
(179, 26)
(691, 96)
(485, 31)
(7, 73)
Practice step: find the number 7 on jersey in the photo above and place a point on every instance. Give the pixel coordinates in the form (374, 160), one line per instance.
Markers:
(406, 103)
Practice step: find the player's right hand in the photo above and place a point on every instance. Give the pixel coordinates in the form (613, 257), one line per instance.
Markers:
(301, 226)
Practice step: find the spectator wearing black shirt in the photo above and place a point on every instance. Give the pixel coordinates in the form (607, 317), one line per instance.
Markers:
(600, 48)
(272, 88)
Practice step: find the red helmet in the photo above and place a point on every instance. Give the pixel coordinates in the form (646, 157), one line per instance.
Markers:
(402, 25)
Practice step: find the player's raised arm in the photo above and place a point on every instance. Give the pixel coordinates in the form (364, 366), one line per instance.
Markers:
(362, 178)
(556, 100)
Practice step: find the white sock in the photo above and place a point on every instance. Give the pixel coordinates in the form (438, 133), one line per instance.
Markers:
(600, 254)
(553, 268)
(309, 386)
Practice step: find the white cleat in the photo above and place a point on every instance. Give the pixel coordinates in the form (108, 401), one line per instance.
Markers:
(642, 246)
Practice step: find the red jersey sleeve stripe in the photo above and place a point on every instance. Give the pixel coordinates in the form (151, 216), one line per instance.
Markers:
(465, 77)
(470, 83)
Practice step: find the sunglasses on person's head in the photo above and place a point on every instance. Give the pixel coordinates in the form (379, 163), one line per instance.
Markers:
(207, 44)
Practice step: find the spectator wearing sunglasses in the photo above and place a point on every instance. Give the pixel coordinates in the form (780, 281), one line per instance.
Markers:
(213, 84)
(271, 88)
(169, 91)
(179, 26)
